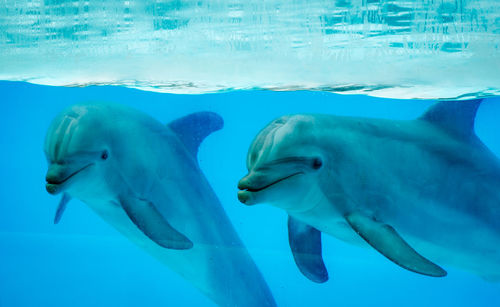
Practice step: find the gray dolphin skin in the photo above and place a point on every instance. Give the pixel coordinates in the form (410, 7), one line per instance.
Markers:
(421, 192)
(143, 178)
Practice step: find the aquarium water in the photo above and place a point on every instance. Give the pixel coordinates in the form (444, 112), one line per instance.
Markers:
(250, 62)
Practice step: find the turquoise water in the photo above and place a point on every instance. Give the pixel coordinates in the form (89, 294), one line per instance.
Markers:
(83, 261)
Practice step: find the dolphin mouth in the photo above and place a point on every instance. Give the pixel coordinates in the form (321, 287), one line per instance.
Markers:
(53, 184)
(244, 187)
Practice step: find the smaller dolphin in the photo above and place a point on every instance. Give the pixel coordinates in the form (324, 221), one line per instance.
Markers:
(420, 192)
(144, 179)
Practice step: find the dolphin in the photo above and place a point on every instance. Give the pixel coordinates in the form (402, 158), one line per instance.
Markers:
(422, 192)
(143, 178)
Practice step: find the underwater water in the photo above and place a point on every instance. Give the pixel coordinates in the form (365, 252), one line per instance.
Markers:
(83, 261)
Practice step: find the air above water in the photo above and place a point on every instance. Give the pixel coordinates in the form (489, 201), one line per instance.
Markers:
(386, 48)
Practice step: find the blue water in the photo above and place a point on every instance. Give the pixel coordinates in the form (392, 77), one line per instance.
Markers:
(84, 262)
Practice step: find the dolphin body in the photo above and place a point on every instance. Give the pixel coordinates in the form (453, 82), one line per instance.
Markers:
(143, 178)
(420, 192)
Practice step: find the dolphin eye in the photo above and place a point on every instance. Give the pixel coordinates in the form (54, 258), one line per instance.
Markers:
(317, 163)
(104, 155)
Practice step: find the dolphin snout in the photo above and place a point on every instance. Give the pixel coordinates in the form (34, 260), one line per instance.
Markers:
(54, 177)
(55, 174)
(254, 181)
(245, 197)
(52, 188)
(58, 174)
(254, 184)
(245, 185)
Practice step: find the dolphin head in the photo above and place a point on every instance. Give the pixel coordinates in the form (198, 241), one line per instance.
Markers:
(77, 150)
(283, 164)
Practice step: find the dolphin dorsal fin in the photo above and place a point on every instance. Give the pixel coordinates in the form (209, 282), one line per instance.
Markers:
(456, 117)
(192, 129)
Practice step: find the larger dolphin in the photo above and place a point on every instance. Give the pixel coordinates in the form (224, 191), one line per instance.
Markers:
(144, 179)
(421, 192)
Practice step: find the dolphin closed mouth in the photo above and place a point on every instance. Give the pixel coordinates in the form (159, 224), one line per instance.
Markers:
(54, 183)
(243, 185)
(245, 196)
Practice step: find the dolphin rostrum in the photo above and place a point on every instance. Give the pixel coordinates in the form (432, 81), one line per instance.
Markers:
(144, 179)
(421, 192)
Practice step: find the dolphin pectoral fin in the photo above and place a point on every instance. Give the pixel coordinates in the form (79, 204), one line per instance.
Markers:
(305, 243)
(389, 243)
(61, 207)
(153, 224)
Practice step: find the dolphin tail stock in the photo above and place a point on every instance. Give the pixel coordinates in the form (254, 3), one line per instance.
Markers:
(251, 290)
